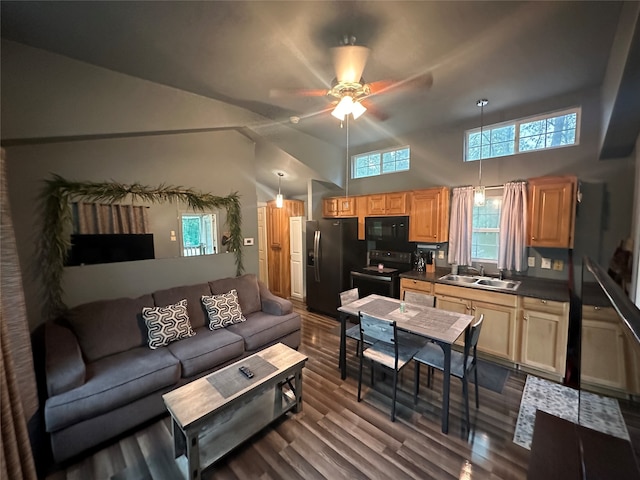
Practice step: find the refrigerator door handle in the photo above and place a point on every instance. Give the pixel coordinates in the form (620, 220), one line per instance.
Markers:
(316, 251)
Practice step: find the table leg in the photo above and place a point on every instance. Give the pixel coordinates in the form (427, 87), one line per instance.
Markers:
(342, 361)
(446, 383)
(193, 456)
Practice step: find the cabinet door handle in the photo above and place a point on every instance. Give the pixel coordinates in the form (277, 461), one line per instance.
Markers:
(533, 238)
(543, 301)
(525, 317)
(596, 308)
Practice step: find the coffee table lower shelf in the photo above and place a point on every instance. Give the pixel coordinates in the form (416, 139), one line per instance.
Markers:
(230, 421)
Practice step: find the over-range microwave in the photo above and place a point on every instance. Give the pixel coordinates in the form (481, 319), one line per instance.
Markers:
(387, 229)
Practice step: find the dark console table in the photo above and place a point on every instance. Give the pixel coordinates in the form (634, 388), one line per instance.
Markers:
(563, 450)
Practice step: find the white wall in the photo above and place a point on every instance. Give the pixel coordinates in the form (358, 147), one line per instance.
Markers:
(216, 162)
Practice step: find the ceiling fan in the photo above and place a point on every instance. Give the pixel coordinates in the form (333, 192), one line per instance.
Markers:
(349, 91)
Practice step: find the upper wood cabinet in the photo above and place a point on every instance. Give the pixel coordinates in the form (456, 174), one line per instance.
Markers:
(388, 204)
(429, 215)
(339, 207)
(552, 211)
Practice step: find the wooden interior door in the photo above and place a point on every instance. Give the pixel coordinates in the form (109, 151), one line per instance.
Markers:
(296, 244)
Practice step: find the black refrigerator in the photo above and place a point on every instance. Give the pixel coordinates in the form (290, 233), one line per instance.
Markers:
(333, 250)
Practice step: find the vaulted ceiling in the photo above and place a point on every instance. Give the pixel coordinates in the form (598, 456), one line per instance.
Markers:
(514, 53)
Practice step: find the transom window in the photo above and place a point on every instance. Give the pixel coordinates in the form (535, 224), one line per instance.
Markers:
(485, 237)
(553, 130)
(379, 162)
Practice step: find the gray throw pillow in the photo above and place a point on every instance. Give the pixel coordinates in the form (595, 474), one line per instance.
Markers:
(223, 309)
(167, 324)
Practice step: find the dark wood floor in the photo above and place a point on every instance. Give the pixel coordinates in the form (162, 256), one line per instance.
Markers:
(337, 437)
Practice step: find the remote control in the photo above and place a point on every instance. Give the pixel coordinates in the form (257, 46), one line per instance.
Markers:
(246, 372)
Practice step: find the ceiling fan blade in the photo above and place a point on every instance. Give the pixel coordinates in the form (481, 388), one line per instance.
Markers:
(349, 62)
(296, 92)
(374, 111)
(419, 82)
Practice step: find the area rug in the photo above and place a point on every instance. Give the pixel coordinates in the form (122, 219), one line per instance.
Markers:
(596, 412)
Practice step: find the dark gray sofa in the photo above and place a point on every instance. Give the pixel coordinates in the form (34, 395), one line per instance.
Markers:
(103, 379)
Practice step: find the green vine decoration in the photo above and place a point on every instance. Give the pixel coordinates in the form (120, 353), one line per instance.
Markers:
(55, 240)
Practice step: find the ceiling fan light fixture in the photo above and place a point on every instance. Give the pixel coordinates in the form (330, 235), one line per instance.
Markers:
(349, 62)
(357, 110)
(343, 108)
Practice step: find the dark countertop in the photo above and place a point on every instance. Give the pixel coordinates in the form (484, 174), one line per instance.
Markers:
(542, 288)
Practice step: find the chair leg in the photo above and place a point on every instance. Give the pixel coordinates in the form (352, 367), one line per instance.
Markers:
(360, 378)
(465, 394)
(475, 372)
(395, 389)
(357, 348)
(416, 382)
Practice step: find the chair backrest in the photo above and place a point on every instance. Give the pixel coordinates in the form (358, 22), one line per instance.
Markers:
(378, 329)
(422, 299)
(471, 341)
(349, 296)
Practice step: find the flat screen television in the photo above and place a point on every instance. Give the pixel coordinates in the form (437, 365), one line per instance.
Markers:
(89, 249)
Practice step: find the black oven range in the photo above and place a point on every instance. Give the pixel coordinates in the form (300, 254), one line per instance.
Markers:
(382, 274)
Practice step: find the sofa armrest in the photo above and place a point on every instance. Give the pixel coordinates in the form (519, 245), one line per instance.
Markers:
(273, 304)
(65, 369)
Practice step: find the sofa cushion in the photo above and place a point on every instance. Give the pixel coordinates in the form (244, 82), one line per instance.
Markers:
(167, 324)
(206, 350)
(192, 293)
(106, 327)
(223, 309)
(247, 288)
(111, 382)
(260, 329)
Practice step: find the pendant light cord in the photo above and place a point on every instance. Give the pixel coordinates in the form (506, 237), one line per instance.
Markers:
(481, 125)
(348, 160)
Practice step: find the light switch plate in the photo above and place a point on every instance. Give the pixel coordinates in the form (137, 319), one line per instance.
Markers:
(546, 263)
(558, 265)
(248, 241)
(441, 254)
(532, 261)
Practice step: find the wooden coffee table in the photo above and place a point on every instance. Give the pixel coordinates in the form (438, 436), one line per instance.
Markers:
(214, 414)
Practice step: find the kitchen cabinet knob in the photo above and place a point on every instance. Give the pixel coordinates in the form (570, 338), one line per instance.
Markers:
(525, 317)
(596, 308)
(434, 236)
(533, 238)
(544, 301)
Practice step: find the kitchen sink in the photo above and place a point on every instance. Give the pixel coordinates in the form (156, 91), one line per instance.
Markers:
(458, 278)
(481, 282)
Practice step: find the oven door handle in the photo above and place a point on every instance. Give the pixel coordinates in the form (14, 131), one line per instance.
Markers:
(316, 255)
(373, 278)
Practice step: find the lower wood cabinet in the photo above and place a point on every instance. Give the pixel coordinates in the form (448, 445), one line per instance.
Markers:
(499, 328)
(545, 327)
(419, 286)
(606, 356)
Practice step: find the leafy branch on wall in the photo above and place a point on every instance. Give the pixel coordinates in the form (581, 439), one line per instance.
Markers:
(55, 240)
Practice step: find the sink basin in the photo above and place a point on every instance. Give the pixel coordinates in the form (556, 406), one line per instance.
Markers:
(458, 278)
(481, 282)
(497, 283)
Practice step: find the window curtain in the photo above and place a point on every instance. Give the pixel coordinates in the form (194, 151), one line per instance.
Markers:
(461, 226)
(109, 218)
(513, 227)
(18, 394)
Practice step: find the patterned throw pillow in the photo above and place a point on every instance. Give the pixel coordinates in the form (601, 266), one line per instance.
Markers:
(223, 309)
(167, 324)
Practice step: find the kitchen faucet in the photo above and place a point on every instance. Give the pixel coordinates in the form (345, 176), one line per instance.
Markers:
(470, 269)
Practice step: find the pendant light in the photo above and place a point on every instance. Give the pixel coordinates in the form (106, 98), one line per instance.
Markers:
(279, 197)
(478, 192)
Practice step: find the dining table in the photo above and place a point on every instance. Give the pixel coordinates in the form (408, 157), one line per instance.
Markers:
(441, 326)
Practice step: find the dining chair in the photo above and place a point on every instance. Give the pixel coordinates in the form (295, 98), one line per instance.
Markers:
(385, 350)
(353, 332)
(417, 298)
(462, 364)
